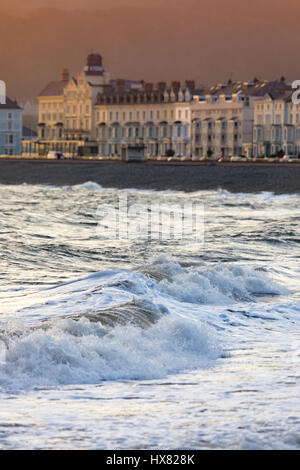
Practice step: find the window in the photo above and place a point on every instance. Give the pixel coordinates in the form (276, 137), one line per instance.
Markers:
(11, 139)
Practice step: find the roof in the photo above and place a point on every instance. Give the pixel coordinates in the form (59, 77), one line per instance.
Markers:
(284, 95)
(10, 104)
(27, 132)
(55, 88)
(256, 88)
(127, 95)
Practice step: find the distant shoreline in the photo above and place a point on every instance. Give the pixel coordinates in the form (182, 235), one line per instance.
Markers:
(102, 161)
(235, 177)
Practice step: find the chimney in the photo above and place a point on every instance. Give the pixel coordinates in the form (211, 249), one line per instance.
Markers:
(190, 84)
(175, 85)
(148, 87)
(161, 86)
(120, 84)
(64, 75)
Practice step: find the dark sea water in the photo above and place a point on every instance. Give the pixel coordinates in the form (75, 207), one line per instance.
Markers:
(148, 342)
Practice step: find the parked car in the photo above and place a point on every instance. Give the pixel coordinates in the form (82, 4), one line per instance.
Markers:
(177, 158)
(290, 158)
(54, 155)
(238, 158)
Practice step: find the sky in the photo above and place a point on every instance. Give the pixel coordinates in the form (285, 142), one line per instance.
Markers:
(155, 40)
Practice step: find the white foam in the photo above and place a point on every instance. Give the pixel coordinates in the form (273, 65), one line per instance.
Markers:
(83, 352)
(89, 185)
(218, 285)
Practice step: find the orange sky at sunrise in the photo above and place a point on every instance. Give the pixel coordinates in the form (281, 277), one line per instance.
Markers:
(152, 40)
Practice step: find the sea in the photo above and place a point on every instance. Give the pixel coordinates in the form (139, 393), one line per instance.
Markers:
(113, 340)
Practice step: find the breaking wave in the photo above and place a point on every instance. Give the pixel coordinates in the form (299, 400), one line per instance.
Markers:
(124, 325)
(81, 352)
(217, 285)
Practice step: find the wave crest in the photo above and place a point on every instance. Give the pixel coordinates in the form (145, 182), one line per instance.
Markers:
(81, 352)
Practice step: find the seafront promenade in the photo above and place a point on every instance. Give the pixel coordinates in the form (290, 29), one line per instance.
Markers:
(235, 177)
(153, 161)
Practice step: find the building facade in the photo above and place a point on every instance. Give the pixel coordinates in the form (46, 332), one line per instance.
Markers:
(157, 117)
(91, 114)
(66, 119)
(10, 128)
(222, 119)
(276, 125)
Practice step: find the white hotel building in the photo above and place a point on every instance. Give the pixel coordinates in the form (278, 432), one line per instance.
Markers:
(276, 125)
(66, 108)
(157, 117)
(223, 118)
